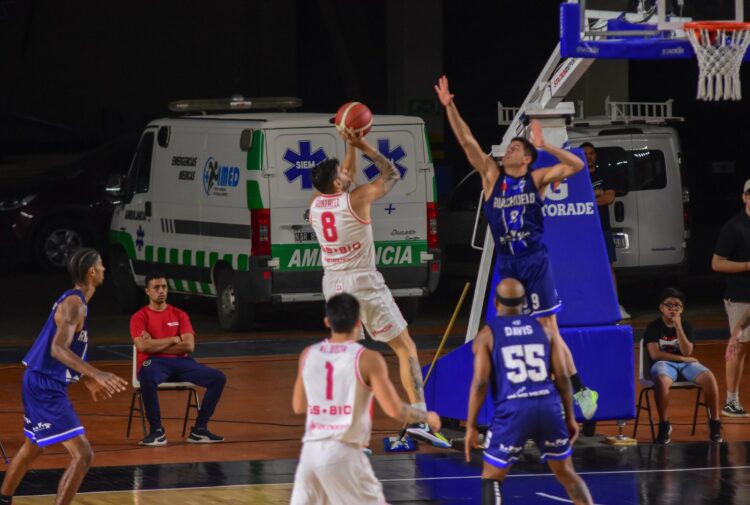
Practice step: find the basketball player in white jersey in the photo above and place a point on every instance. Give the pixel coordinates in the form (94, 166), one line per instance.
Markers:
(341, 220)
(335, 384)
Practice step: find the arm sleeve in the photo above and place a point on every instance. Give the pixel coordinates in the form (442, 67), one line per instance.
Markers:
(725, 242)
(185, 326)
(137, 325)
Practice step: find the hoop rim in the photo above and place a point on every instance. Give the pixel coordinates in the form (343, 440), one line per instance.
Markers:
(730, 26)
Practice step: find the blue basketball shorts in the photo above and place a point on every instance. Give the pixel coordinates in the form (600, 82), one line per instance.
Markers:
(516, 421)
(49, 417)
(533, 270)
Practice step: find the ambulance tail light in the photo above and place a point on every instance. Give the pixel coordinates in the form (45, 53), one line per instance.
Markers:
(260, 222)
(432, 226)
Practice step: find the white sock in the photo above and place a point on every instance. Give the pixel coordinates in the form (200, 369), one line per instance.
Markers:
(421, 406)
(733, 396)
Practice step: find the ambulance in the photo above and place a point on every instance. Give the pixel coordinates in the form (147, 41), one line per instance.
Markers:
(218, 202)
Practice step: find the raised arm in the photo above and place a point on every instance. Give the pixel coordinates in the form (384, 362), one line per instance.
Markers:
(482, 348)
(364, 195)
(478, 159)
(569, 163)
(375, 373)
(69, 318)
(350, 138)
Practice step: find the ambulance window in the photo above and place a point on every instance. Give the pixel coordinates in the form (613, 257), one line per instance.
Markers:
(142, 163)
(648, 171)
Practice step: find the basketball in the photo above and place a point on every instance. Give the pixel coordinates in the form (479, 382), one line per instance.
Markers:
(354, 115)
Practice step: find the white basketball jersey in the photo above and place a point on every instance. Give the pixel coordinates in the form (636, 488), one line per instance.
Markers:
(346, 241)
(338, 401)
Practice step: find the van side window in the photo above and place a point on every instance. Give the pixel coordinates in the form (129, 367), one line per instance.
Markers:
(648, 170)
(614, 164)
(141, 170)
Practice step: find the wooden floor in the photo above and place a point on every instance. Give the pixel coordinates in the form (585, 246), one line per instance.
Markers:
(255, 415)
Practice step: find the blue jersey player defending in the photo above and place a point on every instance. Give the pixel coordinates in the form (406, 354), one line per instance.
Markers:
(516, 357)
(513, 201)
(56, 359)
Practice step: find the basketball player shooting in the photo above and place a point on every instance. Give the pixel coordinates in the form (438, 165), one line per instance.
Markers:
(513, 201)
(335, 384)
(340, 217)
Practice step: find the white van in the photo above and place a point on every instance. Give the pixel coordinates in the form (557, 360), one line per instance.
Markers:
(218, 203)
(650, 215)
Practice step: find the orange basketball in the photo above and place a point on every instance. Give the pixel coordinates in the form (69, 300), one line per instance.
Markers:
(354, 115)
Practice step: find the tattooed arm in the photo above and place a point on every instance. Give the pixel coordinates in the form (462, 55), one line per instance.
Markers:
(374, 373)
(365, 194)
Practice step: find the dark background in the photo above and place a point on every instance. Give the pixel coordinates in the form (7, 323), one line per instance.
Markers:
(76, 74)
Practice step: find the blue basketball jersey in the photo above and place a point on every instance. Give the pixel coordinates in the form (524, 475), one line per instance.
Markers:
(514, 214)
(39, 357)
(520, 359)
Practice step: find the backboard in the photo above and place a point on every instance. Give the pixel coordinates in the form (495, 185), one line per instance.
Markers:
(637, 29)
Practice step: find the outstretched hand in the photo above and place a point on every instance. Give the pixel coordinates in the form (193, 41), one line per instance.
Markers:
(444, 94)
(537, 137)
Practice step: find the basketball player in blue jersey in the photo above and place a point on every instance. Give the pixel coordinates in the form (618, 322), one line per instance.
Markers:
(516, 357)
(513, 200)
(58, 358)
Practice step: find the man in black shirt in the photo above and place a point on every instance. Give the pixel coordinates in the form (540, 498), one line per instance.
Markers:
(605, 196)
(669, 343)
(732, 257)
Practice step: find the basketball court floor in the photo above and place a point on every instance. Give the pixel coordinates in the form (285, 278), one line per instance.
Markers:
(256, 464)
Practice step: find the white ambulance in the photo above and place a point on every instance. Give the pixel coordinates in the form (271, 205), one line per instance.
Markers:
(218, 202)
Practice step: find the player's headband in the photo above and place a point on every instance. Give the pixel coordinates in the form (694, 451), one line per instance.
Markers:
(509, 302)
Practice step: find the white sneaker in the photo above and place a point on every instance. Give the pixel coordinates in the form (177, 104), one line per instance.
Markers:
(624, 313)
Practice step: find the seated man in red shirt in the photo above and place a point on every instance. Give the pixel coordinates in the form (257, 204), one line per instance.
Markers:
(164, 337)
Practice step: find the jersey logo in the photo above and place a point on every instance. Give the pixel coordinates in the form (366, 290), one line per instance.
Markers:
(394, 155)
(302, 162)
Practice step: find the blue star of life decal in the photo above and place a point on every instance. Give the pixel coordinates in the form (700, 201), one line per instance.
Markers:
(139, 234)
(302, 162)
(395, 155)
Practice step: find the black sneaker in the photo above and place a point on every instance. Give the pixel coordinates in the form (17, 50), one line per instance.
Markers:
(714, 430)
(734, 408)
(665, 430)
(156, 438)
(203, 436)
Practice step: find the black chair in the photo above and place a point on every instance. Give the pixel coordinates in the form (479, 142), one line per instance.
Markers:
(192, 399)
(647, 384)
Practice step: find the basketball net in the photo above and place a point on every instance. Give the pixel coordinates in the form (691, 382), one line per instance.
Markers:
(719, 47)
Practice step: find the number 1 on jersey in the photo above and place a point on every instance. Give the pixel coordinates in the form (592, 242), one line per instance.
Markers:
(329, 381)
(328, 220)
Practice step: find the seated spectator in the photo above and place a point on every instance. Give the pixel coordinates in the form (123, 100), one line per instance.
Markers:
(164, 339)
(669, 343)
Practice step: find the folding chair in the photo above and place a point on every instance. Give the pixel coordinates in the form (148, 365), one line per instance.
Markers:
(5, 455)
(192, 399)
(647, 384)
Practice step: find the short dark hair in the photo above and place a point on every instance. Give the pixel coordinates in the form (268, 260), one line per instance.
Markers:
(528, 147)
(323, 175)
(155, 275)
(80, 262)
(587, 144)
(671, 293)
(342, 312)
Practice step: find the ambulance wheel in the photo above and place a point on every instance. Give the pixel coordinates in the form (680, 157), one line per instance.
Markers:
(234, 313)
(128, 296)
(409, 308)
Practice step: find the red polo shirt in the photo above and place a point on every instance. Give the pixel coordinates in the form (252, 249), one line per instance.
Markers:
(170, 322)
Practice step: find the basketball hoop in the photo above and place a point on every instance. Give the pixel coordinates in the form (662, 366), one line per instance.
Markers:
(719, 47)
